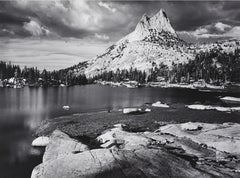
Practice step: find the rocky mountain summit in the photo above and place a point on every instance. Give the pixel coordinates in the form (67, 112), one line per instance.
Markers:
(151, 27)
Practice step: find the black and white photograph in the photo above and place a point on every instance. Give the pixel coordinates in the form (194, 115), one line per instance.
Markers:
(119, 89)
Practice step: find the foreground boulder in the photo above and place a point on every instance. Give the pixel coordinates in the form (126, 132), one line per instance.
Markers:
(143, 154)
(40, 141)
(116, 163)
(61, 144)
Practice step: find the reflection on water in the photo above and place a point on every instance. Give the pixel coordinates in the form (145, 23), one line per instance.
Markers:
(21, 111)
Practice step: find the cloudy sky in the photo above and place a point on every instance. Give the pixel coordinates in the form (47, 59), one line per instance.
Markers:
(55, 34)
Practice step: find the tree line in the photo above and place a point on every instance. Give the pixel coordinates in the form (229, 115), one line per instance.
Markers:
(214, 66)
(34, 76)
(121, 75)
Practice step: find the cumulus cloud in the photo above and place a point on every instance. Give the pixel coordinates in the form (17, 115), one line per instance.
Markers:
(8, 31)
(200, 31)
(71, 13)
(214, 31)
(35, 28)
(73, 18)
(102, 37)
(107, 6)
(234, 32)
(222, 27)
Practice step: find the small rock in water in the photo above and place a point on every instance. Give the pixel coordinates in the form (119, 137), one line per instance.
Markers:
(160, 105)
(119, 125)
(230, 99)
(40, 141)
(147, 110)
(200, 107)
(218, 108)
(66, 107)
(130, 110)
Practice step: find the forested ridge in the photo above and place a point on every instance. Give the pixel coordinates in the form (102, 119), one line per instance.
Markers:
(34, 77)
(213, 66)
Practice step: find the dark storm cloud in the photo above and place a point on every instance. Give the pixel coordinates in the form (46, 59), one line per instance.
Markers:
(107, 19)
(6, 18)
(193, 15)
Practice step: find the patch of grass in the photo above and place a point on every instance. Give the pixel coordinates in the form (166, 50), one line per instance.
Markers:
(93, 124)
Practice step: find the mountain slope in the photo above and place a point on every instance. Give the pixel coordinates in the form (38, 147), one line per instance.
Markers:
(154, 41)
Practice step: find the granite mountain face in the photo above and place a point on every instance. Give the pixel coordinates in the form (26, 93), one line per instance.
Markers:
(154, 42)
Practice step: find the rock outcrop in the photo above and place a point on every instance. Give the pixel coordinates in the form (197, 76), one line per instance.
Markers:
(145, 154)
(223, 137)
(60, 144)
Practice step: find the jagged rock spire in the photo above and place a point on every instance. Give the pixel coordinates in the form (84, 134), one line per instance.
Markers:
(159, 22)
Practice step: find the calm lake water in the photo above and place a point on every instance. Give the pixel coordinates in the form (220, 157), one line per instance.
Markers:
(22, 110)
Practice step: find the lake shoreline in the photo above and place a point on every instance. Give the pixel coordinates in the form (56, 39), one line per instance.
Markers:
(93, 132)
(200, 86)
